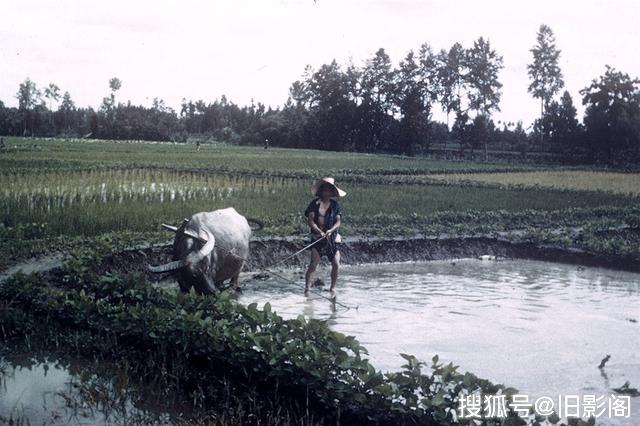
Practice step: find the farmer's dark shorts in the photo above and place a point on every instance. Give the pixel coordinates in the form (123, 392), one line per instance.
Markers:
(326, 247)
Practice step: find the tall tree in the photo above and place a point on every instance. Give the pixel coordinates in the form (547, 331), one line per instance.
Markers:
(410, 89)
(484, 96)
(377, 104)
(377, 81)
(114, 85)
(484, 65)
(329, 95)
(429, 75)
(67, 102)
(28, 95)
(52, 93)
(415, 90)
(561, 121)
(297, 93)
(612, 117)
(544, 71)
(451, 81)
(451, 78)
(107, 119)
(67, 111)
(28, 98)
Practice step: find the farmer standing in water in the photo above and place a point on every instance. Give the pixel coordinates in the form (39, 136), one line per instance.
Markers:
(323, 217)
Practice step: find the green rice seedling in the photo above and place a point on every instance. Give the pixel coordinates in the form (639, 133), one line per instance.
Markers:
(93, 202)
(42, 154)
(583, 180)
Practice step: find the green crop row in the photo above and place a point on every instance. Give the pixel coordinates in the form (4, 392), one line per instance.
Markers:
(55, 153)
(26, 155)
(591, 229)
(622, 183)
(93, 202)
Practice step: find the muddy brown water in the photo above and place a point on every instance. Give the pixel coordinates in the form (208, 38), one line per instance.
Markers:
(538, 326)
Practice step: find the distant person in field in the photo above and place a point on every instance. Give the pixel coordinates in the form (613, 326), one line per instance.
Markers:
(266, 143)
(197, 146)
(324, 217)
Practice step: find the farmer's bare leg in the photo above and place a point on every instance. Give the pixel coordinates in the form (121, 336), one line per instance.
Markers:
(315, 259)
(335, 265)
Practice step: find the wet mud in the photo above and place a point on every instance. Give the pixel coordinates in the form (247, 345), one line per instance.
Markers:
(266, 253)
(277, 252)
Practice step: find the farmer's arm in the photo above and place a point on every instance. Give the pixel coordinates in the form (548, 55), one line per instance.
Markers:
(335, 226)
(312, 225)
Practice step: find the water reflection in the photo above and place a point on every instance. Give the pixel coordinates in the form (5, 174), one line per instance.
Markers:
(537, 326)
(54, 389)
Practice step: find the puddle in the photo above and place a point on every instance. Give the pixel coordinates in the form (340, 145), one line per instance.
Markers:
(50, 391)
(35, 265)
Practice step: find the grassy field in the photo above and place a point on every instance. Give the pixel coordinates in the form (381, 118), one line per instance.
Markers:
(52, 188)
(584, 180)
(30, 154)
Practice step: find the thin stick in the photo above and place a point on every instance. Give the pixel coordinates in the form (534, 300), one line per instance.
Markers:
(296, 253)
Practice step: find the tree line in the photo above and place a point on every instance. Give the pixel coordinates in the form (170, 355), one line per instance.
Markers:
(376, 107)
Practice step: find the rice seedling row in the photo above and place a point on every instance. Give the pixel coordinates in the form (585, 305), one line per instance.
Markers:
(58, 153)
(60, 188)
(92, 202)
(585, 180)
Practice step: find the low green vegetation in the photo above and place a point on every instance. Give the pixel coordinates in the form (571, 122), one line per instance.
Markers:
(585, 180)
(42, 154)
(91, 210)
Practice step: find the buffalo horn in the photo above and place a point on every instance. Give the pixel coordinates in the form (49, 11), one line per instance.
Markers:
(171, 266)
(210, 243)
(197, 237)
(185, 232)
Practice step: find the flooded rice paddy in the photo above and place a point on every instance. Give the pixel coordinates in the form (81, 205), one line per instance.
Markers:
(537, 326)
(540, 327)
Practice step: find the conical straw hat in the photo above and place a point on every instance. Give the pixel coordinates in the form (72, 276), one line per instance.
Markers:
(330, 181)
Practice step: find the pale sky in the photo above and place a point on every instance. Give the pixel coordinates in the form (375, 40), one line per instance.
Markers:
(255, 49)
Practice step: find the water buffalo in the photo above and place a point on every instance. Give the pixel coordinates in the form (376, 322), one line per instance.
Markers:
(208, 249)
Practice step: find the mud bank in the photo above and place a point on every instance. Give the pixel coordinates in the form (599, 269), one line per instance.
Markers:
(423, 249)
(267, 252)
